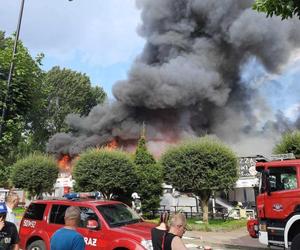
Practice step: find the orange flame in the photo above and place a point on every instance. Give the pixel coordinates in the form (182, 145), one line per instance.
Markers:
(65, 163)
(112, 145)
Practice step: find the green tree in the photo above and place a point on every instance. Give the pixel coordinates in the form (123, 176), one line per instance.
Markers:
(95, 96)
(149, 177)
(289, 143)
(200, 166)
(36, 174)
(110, 172)
(24, 94)
(4, 175)
(2, 39)
(68, 92)
(284, 8)
(142, 156)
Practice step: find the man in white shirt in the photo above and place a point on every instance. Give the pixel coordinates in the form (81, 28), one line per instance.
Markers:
(12, 201)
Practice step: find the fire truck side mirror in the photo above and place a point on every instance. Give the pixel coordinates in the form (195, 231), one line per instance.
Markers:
(267, 183)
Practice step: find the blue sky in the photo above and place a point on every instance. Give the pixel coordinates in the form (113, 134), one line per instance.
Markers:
(279, 91)
(100, 38)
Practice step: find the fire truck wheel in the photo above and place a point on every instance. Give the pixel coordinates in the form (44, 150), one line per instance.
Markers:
(37, 245)
(296, 242)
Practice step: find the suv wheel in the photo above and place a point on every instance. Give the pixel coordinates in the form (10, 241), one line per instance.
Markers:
(296, 242)
(37, 245)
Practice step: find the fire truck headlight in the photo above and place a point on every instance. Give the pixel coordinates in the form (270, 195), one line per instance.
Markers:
(147, 244)
(263, 227)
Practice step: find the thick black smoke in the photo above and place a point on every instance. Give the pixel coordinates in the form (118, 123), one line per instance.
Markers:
(187, 81)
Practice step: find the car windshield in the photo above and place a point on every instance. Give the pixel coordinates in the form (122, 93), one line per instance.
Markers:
(117, 215)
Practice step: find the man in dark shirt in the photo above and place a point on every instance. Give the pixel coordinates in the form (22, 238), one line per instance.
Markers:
(9, 237)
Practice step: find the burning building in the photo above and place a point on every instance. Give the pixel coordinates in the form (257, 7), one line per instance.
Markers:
(188, 80)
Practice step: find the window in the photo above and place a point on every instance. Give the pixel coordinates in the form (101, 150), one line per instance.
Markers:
(282, 178)
(118, 215)
(57, 215)
(35, 211)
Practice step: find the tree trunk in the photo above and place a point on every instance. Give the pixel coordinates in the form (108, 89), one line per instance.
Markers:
(205, 211)
(204, 196)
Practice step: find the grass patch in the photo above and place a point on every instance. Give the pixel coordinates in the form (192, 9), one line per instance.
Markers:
(214, 225)
(155, 220)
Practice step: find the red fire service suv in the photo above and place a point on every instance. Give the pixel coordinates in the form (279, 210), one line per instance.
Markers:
(104, 225)
(278, 203)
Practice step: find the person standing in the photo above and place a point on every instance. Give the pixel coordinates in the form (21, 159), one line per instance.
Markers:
(172, 240)
(11, 201)
(9, 237)
(157, 233)
(67, 238)
(136, 203)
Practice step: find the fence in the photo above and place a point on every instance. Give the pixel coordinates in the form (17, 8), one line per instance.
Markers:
(191, 212)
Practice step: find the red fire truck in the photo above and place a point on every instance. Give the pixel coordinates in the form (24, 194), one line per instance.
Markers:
(278, 203)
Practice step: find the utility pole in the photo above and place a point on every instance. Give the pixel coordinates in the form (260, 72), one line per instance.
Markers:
(11, 69)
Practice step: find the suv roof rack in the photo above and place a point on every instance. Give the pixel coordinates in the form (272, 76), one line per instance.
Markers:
(54, 198)
(281, 157)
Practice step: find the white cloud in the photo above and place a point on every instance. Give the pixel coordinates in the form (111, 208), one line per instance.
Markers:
(293, 111)
(295, 58)
(100, 33)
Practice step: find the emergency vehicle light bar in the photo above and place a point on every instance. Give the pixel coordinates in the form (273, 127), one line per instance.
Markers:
(74, 196)
(281, 157)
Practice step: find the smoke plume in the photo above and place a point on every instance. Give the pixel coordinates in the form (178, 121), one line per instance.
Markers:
(187, 81)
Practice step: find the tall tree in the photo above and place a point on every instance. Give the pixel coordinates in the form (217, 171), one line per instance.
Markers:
(68, 92)
(200, 166)
(2, 39)
(142, 156)
(284, 8)
(149, 177)
(35, 173)
(24, 95)
(4, 175)
(289, 143)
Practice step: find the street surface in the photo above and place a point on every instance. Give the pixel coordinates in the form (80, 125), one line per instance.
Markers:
(236, 239)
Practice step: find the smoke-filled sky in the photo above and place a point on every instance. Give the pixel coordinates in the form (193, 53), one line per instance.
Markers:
(208, 67)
